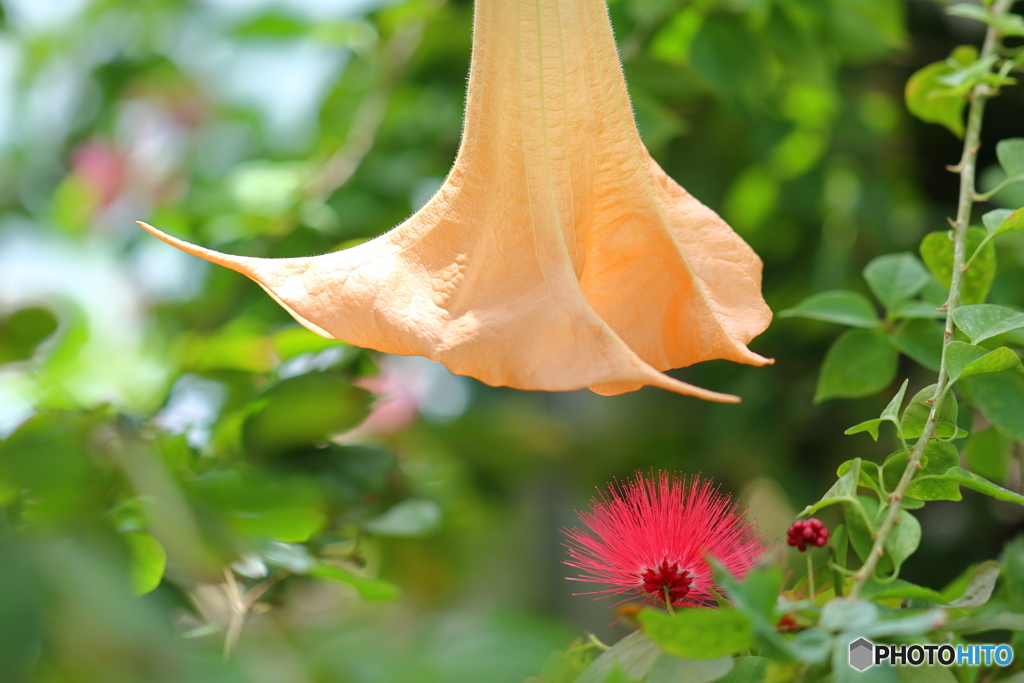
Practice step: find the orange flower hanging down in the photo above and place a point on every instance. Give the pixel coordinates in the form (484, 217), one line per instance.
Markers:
(557, 255)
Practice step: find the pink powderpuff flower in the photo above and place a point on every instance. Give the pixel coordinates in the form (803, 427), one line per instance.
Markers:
(650, 539)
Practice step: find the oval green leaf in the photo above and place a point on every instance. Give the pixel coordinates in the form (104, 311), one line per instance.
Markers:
(983, 321)
(859, 363)
(894, 278)
(148, 561)
(1000, 398)
(920, 339)
(988, 454)
(836, 306)
(698, 633)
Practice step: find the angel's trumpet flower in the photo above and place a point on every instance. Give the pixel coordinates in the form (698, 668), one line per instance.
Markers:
(557, 255)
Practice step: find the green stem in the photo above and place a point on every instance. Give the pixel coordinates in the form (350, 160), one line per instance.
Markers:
(810, 576)
(967, 169)
(668, 599)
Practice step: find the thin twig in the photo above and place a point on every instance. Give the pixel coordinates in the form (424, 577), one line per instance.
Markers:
(967, 169)
(340, 167)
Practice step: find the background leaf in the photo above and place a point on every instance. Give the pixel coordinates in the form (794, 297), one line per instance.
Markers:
(894, 278)
(988, 454)
(920, 339)
(1011, 156)
(1000, 398)
(859, 363)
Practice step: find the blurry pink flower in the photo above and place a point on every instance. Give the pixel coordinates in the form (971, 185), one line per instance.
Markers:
(102, 166)
(650, 539)
(396, 407)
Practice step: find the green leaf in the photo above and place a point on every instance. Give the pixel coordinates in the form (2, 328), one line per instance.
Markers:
(867, 480)
(698, 633)
(993, 221)
(669, 669)
(965, 78)
(635, 655)
(1000, 398)
(148, 561)
(844, 490)
(901, 590)
(295, 340)
(988, 454)
(933, 101)
(302, 411)
(1012, 223)
(937, 252)
(746, 669)
(964, 360)
(916, 309)
(1011, 156)
(50, 458)
(916, 415)
(938, 457)
(921, 340)
(859, 363)
(980, 586)
(894, 278)
(903, 540)
(375, 590)
(998, 621)
(859, 514)
(273, 26)
(890, 414)
(295, 525)
(281, 508)
(812, 645)
(1012, 560)
(268, 188)
(979, 484)
(413, 517)
(843, 614)
(975, 12)
(913, 625)
(1010, 25)
(618, 675)
(837, 306)
(23, 331)
(983, 321)
(564, 667)
(23, 612)
(294, 557)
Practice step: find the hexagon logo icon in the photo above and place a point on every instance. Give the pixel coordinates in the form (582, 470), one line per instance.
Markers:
(862, 654)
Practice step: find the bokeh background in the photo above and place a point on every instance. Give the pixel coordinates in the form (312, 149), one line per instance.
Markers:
(165, 425)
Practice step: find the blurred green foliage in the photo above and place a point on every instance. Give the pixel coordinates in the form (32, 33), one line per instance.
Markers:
(166, 429)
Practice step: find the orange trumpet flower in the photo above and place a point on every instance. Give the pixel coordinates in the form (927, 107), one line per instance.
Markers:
(557, 255)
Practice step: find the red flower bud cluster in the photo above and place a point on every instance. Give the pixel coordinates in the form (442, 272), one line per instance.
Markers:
(807, 532)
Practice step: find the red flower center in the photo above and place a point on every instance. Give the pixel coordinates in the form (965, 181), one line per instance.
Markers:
(667, 579)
